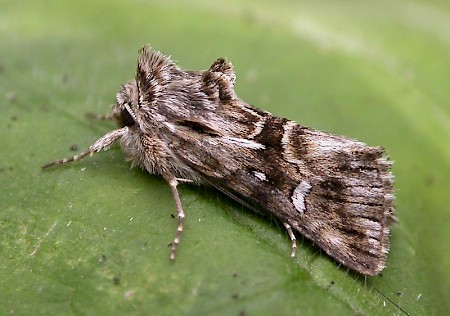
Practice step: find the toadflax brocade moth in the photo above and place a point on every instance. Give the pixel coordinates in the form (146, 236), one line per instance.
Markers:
(189, 126)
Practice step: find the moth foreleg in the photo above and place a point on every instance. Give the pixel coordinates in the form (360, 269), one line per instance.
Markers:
(101, 144)
(173, 183)
(99, 117)
(293, 239)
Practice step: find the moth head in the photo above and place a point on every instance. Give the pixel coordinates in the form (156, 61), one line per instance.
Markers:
(124, 111)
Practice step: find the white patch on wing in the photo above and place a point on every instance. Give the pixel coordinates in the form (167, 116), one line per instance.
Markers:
(243, 142)
(170, 126)
(259, 126)
(287, 127)
(324, 143)
(298, 197)
(260, 175)
(289, 152)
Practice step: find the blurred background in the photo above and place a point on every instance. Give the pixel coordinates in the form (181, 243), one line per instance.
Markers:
(91, 237)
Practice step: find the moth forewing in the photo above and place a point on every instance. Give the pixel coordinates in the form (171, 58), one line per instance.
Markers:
(340, 197)
(189, 126)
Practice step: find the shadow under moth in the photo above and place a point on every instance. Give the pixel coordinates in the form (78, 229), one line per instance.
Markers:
(189, 126)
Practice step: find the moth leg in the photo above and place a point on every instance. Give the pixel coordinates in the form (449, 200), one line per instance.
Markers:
(98, 117)
(173, 183)
(293, 239)
(101, 144)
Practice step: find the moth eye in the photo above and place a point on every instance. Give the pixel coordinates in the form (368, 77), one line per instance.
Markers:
(126, 119)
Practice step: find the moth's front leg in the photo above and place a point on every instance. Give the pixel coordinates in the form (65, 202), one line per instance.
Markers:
(101, 144)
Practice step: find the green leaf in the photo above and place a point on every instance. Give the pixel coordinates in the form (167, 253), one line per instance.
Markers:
(92, 237)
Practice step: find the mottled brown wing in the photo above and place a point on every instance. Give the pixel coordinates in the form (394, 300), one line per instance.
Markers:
(335, 191)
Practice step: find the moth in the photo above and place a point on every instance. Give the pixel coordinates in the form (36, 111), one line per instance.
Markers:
(189, 126)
